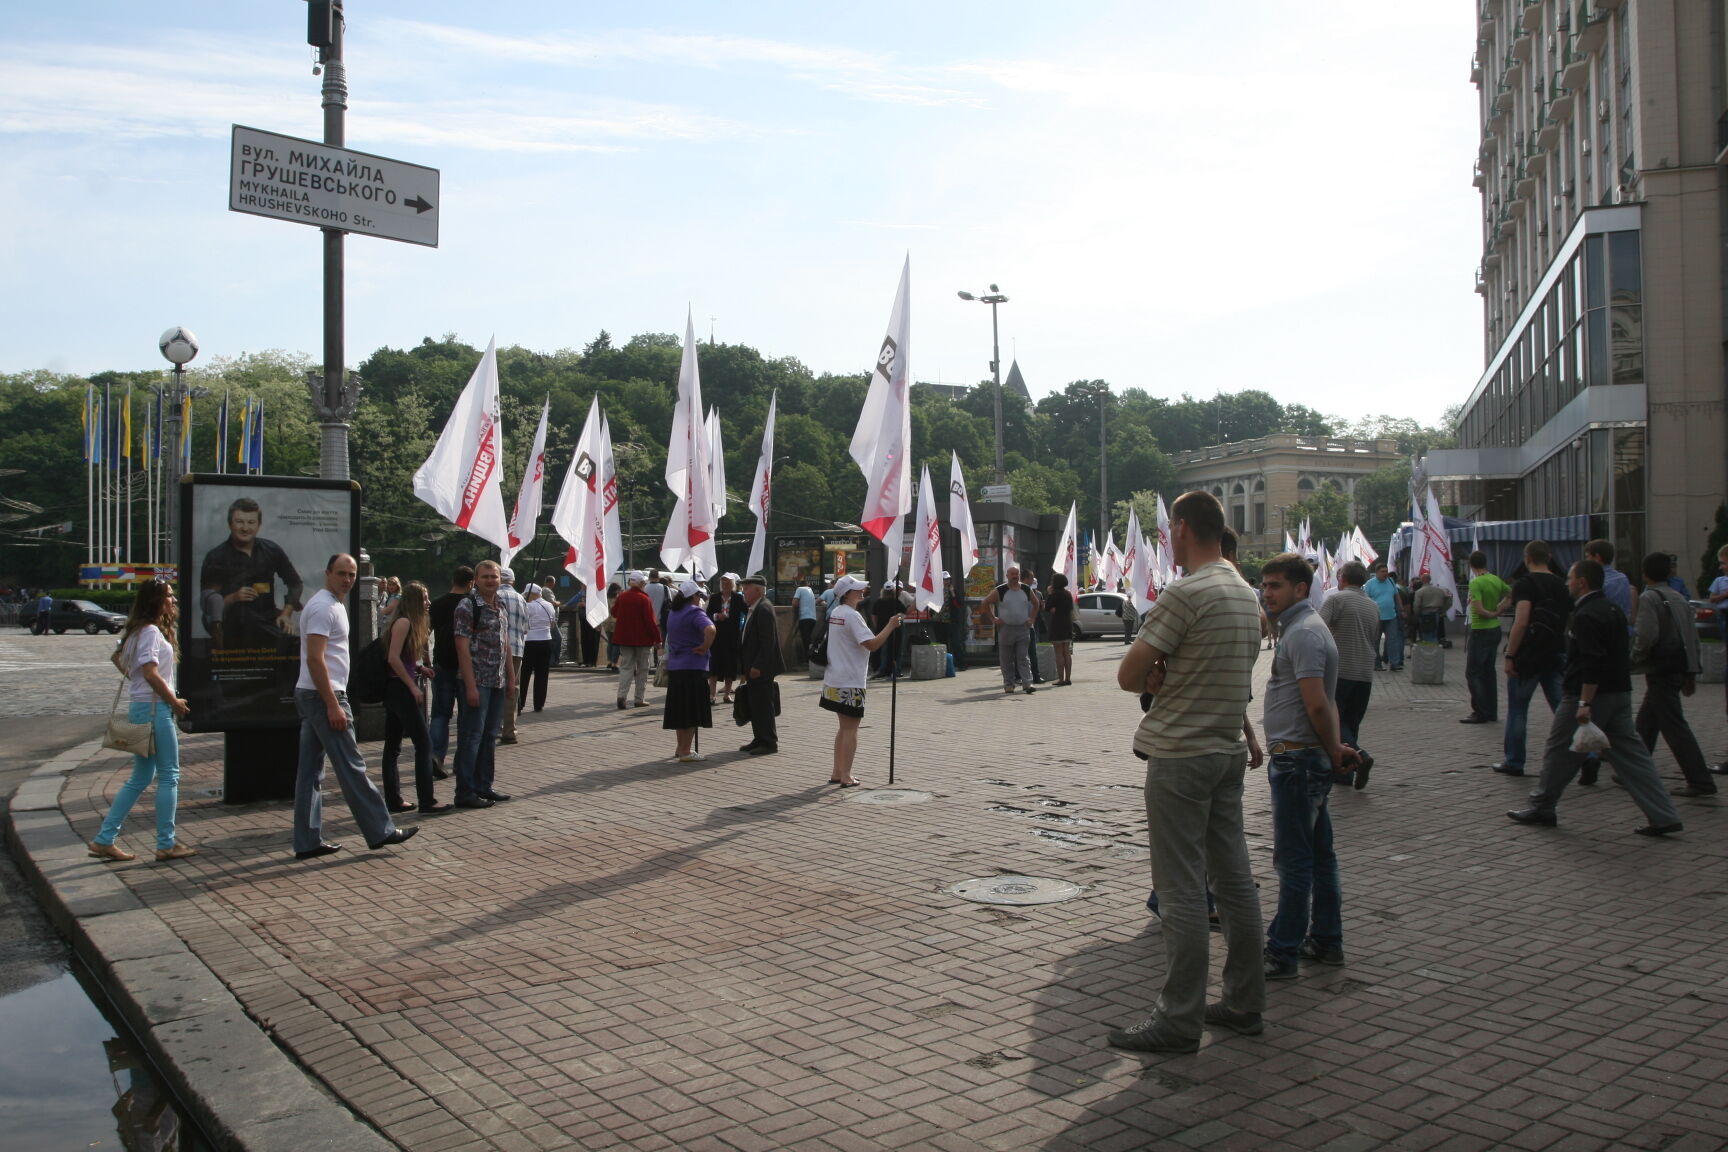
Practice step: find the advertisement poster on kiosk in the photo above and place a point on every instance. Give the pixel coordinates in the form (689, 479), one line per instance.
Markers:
(252, 551)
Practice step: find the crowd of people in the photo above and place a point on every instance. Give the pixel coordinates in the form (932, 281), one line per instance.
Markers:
(476, 651)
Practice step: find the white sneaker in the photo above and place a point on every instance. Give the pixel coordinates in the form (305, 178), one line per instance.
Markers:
(690, 758)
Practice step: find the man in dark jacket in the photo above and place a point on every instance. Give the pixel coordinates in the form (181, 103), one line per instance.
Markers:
(1598, 689)
(759, 661)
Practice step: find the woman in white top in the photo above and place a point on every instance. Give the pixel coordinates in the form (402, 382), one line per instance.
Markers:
(850, 643)
(536, 649)
(146, 655)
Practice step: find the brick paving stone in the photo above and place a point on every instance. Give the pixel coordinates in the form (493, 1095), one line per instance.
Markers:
(738, 957)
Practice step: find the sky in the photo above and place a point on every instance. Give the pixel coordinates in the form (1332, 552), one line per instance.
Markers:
(1183, 198)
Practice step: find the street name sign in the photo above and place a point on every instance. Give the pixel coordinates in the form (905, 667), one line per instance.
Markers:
(996, 494)
(286, 178)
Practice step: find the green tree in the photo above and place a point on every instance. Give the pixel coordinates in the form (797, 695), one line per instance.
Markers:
(1327, 512)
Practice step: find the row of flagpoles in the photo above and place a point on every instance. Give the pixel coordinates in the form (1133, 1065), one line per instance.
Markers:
(462, 480)
(121, 472)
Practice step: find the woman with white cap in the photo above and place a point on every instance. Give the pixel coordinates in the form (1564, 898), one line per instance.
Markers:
(850, 643)
(727, 610)
(689, 637)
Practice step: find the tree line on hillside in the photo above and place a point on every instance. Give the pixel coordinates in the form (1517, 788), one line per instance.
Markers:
(1050, 446)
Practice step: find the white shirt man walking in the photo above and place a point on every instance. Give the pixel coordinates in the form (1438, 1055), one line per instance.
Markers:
(1195, 654)
(327, 724)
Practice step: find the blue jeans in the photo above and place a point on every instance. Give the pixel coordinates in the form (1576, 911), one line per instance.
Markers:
(446, 686)
(1302, 853)
(1519, 690)
(317, 741)
(163, 767)
(1392, 633)
(476, 736)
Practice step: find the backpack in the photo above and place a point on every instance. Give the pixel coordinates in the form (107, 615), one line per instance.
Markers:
(818, 654)
(1545, 634)
(1670, 655)
(370, 673)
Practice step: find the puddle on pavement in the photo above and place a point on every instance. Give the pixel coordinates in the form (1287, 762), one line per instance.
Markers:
(70, 1078)
(1044, 817)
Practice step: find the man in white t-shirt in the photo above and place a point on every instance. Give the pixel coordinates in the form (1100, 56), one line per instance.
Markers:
(327, 724)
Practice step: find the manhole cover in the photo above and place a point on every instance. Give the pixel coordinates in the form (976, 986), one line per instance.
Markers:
(889, 796)
(1016, 890)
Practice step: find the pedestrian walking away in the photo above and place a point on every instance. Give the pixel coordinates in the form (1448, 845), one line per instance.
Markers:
(1598, 690)
(536, 649)
(147, 656)
(327, 724)
(636, 633)
(1354, 621)
(1665, 649)
(1195, 655)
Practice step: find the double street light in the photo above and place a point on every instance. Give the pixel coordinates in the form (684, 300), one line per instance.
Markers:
(993, 298)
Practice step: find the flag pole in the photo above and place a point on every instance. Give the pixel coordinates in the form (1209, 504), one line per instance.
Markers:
(893, 707)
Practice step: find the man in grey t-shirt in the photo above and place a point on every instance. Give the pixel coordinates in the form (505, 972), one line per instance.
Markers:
(1355, 623)
(1301, 727)
(1014, 608)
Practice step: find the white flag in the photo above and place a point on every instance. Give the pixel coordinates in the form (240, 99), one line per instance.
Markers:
(525, 517)
(461, 477)
(1110, 567)
(926, 574)
(882, 443)
(1434, 552)
(1165, 570)
(1289, 544)
(1317, 587)
(587, 506)
(1067, 560)
(960, 517)
(1305, 541)
(1364, 550)
(716, 465)
(690, 533)
(1138, 563)
(761, 488)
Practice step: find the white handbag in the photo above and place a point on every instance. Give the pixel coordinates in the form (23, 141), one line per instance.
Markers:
(125, 735)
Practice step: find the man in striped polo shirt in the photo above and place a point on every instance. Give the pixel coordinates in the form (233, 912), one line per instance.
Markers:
(1195, 653)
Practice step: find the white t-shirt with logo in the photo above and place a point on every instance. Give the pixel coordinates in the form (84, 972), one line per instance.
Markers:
(147, 646)
(848, 659)
(324, 615)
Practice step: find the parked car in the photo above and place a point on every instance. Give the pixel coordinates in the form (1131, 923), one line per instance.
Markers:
(1100, 615)
(92, 618)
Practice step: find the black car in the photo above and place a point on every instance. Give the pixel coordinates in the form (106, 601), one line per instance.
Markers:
(92, 618)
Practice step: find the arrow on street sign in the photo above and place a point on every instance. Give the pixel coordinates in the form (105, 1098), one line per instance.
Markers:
(306, 182)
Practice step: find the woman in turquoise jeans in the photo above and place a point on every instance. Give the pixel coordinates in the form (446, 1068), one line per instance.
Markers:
(146, 656)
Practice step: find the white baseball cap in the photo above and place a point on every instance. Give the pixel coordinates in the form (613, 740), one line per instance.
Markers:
(507, 575)
(848, 584)
(690, 589)
(637, 576)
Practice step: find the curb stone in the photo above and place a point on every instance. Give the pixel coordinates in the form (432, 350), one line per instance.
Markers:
(244, 1092)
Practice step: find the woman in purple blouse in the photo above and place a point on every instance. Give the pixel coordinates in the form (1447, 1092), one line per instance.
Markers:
(689, 636)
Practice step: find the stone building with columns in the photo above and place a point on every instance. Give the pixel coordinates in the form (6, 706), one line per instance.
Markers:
(1258, 480)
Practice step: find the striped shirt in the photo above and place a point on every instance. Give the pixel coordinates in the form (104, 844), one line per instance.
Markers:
(1355, 623)
(1208, 625)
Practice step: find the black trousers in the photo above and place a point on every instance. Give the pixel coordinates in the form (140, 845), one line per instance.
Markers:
(536, 660)
(1352, 699)
(1663, 714)
(763, 693)
(403, 717)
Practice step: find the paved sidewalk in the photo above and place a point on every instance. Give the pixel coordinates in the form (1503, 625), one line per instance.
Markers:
(637, 953)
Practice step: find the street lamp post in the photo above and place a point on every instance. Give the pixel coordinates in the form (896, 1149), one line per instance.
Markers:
(1103, 391)
(993, 298)
(178, 347)
(334, 397)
